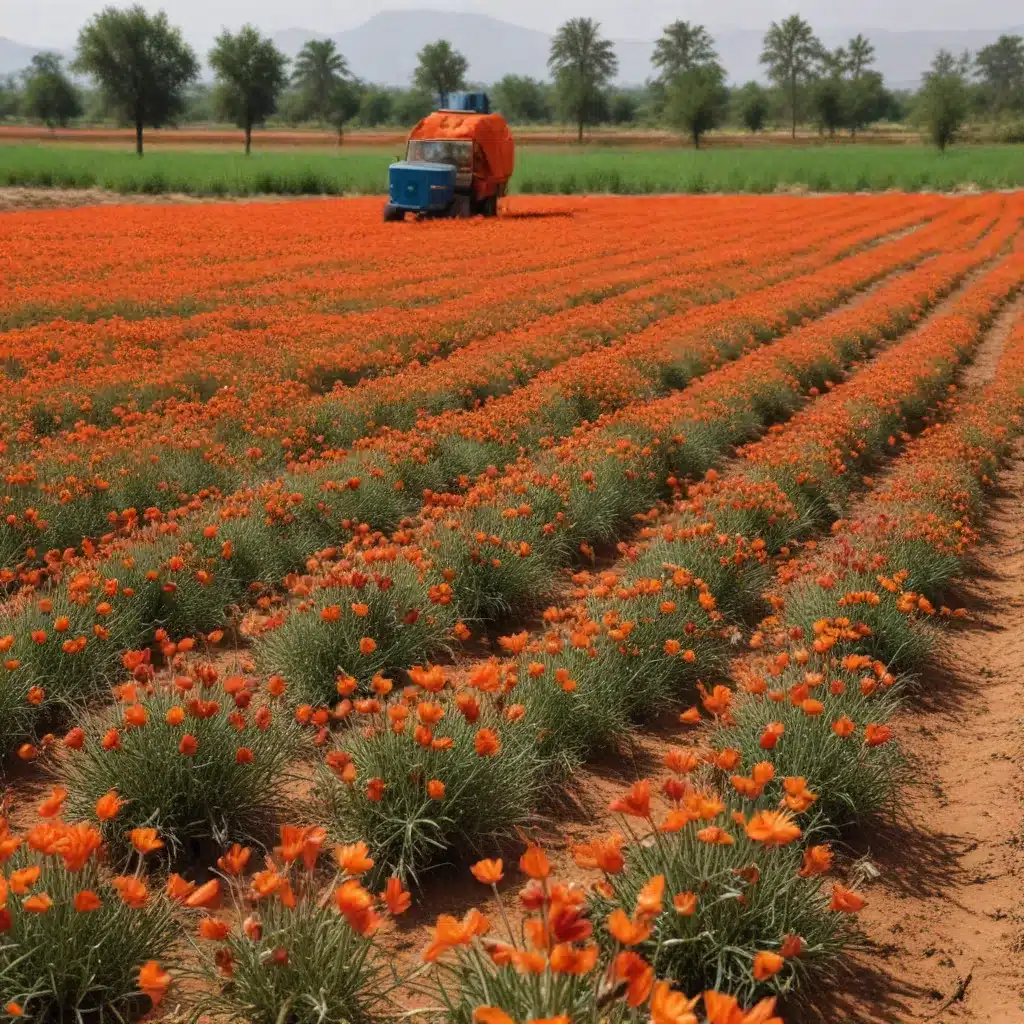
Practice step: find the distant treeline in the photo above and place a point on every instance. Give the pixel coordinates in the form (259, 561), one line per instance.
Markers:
(143, 74)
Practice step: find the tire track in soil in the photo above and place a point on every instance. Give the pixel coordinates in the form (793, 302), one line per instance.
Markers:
(944, 923)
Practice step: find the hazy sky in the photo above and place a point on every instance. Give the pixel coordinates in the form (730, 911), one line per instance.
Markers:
(55, 22)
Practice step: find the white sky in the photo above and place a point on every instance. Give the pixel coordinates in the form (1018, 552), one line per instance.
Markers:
(55, 23)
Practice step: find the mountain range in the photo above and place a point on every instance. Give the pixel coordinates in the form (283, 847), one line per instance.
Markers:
(383, 49)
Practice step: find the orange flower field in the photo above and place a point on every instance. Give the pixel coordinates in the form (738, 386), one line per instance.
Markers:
(338, 556)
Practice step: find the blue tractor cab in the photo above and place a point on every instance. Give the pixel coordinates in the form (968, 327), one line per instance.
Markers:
(457, 162)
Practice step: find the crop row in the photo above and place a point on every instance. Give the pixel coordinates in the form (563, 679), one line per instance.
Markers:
(639, 633)
(232, 437)
(458, 758)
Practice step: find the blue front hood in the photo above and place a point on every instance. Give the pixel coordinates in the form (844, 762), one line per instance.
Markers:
(421, 186)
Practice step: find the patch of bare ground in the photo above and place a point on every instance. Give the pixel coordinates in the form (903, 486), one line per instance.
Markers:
(15, 199)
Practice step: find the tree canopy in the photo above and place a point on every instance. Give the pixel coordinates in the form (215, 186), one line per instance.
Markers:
(583, 63)
(141, 63)
(441, 70)
(250, 72)
(791, 53)
(50, 96)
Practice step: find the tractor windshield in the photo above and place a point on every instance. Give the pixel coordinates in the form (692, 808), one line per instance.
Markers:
(457, 152)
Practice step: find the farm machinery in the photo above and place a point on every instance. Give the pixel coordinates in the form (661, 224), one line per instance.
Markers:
(457, 163)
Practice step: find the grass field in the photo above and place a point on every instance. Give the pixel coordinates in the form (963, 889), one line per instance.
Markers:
(539, 170)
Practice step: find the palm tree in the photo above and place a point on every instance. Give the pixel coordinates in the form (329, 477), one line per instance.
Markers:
(319, 70)
(791, 50)
(683, 47)
(583, 63)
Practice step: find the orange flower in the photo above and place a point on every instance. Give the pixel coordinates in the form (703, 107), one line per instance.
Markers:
(175, 715)
(234, 861)
(625, 931)
(875, 735)
(207, 896)
(38, 904)
(817, 861)
(133, 891)
(145, 840)
(154, 982)
(649, 899)
(773, 828)
(638, 974)
(670, 1007)
(86, 901)
(636, 803)
(14, 1009)
(534, 862)
(52, 805)
(792, 945)
(490, 872)
(721, 1009)
(846, 900)
(685, 903)
(491, 1015)
(450, 932)
(23, 879)
(843, 727)
(353, 859)
(603, 854)
(771, 735)
(767, 964)
(367, 645)
(567, 959)
(179, 889)
(486, 742)
(397, 900)
(214, 930)
(188, 745)
(435, 789)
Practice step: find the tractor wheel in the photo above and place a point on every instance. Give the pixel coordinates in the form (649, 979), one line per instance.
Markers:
(392, 213)
(491, 206)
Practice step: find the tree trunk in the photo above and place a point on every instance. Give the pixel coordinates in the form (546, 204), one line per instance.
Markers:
(579, 137)
(792, 104)
(696, 139)
(138, 136)
(248, 138)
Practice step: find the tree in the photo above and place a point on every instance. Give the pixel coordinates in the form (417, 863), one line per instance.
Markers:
(319, 68)
(344, 105)
(10, 96)
(829, 94)
(522, 99)
(944, 98)
(375, 107)
(583, 63)
(1001, 69)
(411, 105)
(860, 56)
(791, 51)
(441, 70)
(50, 96)
(752, 105)
(682, 47)
(141, 63)
(867, 101)
(250, 73)
(697, 100)
(623, 107)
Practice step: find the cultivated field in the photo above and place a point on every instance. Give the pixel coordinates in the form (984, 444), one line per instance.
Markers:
(342, 559)
(540, 169)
